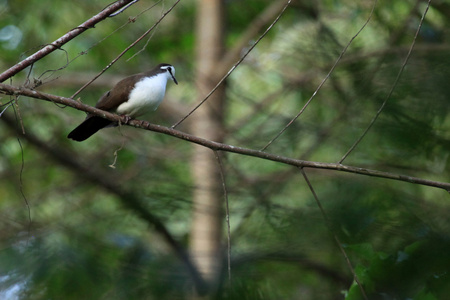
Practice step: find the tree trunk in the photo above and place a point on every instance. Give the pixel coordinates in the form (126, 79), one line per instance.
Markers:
(207, 122)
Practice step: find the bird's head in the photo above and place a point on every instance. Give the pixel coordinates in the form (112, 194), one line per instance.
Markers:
(170, 71)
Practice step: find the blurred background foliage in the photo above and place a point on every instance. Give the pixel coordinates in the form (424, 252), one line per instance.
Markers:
(81, 243)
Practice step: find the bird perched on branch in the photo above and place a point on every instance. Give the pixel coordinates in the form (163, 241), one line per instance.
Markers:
(133, 96)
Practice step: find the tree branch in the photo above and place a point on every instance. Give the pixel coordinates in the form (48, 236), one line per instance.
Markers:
(64, 39)
(257, 24)
(126, 49)
(129, 200)
(11, 90)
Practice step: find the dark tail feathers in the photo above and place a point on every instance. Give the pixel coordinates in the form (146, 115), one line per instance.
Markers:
(90, 126)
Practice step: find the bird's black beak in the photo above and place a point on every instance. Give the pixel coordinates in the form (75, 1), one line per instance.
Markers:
(173, 77)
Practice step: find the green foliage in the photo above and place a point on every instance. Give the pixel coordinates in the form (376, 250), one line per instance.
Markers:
(417, 272)
(82, 243)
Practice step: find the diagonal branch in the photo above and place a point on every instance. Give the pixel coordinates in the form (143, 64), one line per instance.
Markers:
(260, 21)
(234, 66)
(64, 39)
(227, 212)
(336, 238)
(128, 199)
(319, 87)
(126, 49)
(11, 90)
(391, 91)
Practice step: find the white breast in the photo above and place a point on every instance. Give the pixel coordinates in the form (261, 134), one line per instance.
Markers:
(146, 96)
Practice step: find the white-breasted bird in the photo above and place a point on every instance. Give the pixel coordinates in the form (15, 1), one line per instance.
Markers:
(133, 96)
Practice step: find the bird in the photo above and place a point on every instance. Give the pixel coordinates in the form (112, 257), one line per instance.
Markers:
(132, 97)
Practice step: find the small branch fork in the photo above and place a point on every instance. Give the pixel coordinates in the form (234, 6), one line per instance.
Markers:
(105, 13)
(234, 66)
(336, 238)
(394, 85)
(126, 49)
(11, 90)
(227, 212)
(129, 199)
(324, 80)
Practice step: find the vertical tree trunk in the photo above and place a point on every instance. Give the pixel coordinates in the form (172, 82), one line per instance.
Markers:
(207, 122)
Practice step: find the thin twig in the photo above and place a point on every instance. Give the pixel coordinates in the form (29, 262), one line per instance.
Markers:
(126, 50)
(22, 167)
(52, 71)
(22, 193)
(227, 213)
(6, 105)
(249, 34)
(233, 68)
(17, 113)
(130, 20)
(323, 81)
(128, 198)
(394, 85)
(336, 238)
(116, 155)
(151, 36)
(63, 40)
(122, 9)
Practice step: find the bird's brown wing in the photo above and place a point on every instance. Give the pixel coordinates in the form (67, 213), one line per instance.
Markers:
(118, 94)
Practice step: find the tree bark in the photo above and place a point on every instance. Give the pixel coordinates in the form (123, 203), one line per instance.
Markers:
(207, 122)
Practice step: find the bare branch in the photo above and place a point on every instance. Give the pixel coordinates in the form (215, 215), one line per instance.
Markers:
(336, 238)
(234, 66)
(394, 85)
(128, 199)
(250, 33)
(323, 81)
(126, 49)
(11, 90)
(63, 40)
(227, 212)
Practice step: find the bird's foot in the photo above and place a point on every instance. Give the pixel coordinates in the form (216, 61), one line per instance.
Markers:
(126, 119)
